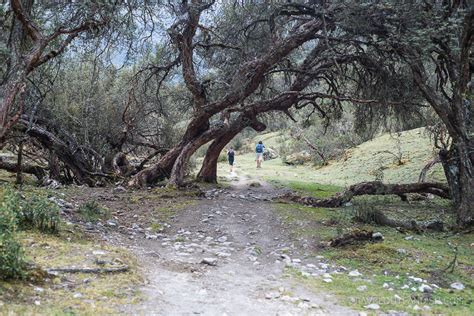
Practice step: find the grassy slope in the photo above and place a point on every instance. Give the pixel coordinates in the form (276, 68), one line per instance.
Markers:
(360, 165)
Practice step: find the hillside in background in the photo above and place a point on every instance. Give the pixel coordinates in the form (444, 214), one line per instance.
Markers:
(362, 163)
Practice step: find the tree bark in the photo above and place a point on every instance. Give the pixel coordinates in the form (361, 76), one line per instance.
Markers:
(19, 174)
(458, 167)
(179, 166)
(54, 168)
(427, 167)
(208, 172)
(83, 172)
(159, 171)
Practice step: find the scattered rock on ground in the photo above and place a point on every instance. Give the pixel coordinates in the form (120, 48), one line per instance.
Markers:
(425, 288)
(209, 261)
(377, 236)
(355, 273)
(372, 306)
(457, 286)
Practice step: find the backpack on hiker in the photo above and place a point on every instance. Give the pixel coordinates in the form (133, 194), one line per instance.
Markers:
(259, 148)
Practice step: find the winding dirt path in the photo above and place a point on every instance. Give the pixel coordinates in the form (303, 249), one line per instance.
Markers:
(227, 256)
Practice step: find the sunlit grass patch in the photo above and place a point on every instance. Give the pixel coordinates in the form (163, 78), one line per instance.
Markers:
(358, 164)
(309, 188)
(84, 294)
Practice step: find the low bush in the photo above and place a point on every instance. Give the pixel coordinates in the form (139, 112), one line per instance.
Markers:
(41, 214)
(12, 264)
(222, 157)
(237, 143)
(92, 211)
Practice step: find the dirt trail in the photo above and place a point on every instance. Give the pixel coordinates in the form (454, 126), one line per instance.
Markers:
(238, 231)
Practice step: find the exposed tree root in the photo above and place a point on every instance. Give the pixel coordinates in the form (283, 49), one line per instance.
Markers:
(370, 188)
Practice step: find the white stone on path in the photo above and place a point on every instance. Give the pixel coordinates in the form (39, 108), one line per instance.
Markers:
(457, 286)
(355, 273)
(209, 261)
(222, 239)
(425, 288)
(372, 306)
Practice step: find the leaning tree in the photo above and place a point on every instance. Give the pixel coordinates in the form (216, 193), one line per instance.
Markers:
(396, 43)
(240, 92)
(433, 41)
(59, 59)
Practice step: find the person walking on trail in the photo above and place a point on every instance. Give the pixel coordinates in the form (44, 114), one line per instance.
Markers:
(230, 158)
(259, 149)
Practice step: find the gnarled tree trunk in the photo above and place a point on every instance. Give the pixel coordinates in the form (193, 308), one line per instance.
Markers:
(458, 168)
(208, 172)
(83, 172)
(178, 171)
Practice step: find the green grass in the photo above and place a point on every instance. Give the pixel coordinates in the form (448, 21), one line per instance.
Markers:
(100, 294)
(427, 255)
(312, 189)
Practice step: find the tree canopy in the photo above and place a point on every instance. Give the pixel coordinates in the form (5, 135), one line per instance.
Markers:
(85, 84)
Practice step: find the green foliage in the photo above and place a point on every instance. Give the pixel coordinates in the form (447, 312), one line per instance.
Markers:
(12, 264)
(237, 143)
(11, 254)
(92, 211)
(222, 157)
(42, 214)
(284, 151)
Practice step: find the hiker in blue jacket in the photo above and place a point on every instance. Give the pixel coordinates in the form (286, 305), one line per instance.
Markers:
(259, 149)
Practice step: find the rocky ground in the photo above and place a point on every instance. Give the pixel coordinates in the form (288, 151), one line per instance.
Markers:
(225, 254)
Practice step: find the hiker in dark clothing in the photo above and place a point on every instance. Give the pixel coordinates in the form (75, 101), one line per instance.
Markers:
(231, 157)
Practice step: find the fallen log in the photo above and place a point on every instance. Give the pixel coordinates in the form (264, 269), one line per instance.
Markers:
(369, 188)
(124, 268)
